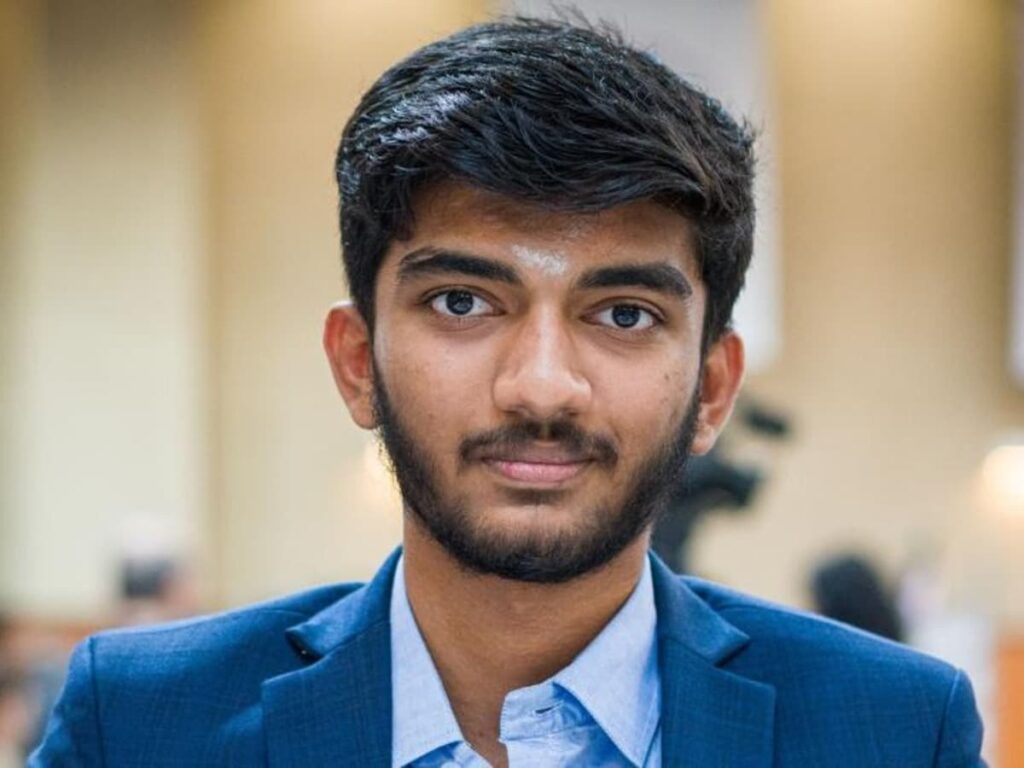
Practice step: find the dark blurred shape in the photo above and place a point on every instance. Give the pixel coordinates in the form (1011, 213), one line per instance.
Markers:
(848, 588)
(711, 483)
(763, 420)
(155, 589)
(146, 579)
(718, 483)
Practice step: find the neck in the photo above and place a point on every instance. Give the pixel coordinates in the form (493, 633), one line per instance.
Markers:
(489, 635)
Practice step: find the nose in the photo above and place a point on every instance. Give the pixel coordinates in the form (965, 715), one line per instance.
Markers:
(538, 377)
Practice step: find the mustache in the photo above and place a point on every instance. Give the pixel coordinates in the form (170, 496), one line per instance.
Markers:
(579, 444)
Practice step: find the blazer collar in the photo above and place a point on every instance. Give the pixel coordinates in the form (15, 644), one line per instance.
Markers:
(337, 709)
(709, 716)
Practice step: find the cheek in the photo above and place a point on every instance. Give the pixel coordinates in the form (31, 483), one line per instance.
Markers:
(437, 389)
(642, 407)
(676, 395)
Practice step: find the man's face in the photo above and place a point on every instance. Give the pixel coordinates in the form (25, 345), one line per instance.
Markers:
(536, 376)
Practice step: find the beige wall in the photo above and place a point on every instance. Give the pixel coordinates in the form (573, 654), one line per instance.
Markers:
(172, 246)
(894, 132)
(17, 27)
(103, 408)
(169, 253)
(291, 497)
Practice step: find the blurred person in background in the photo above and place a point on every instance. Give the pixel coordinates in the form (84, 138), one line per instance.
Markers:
(155, 579)
(544, 232)
(848, 588)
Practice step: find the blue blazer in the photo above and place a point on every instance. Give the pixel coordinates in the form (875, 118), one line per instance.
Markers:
(306, 681)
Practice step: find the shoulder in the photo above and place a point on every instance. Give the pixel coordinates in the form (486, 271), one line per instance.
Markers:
(836, 685)
(187, 683)
(813, 640)
(246, 635)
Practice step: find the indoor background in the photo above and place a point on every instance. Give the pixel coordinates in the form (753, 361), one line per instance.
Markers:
(169, 247)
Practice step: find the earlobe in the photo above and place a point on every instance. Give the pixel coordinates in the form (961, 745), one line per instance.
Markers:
(720, 384)
(349, 351)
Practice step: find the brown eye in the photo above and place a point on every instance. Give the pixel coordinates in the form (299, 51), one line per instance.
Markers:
(459, 304)
(627, 317)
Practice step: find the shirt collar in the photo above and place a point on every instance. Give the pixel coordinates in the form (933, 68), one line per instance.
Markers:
(615, 678)
(422, 717)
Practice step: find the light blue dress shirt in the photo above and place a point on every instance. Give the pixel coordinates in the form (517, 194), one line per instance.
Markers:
(602, 710)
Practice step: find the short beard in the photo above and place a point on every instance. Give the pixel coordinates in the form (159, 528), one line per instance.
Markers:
(540, 558)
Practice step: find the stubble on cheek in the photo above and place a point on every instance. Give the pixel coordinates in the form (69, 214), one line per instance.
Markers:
(485, 530)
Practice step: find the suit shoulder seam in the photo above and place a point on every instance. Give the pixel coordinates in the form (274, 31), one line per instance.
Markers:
(945, 715)
(95, 693)
(198, 622)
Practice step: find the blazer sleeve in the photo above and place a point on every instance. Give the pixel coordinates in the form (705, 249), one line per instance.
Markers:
(72, 738)
(960, 737)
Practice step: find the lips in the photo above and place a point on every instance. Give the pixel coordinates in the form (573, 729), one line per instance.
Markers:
(537, 465)
(529, 454)
(538, 473)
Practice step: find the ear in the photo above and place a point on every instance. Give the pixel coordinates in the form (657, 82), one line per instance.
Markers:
(350, 353)
(720, 383)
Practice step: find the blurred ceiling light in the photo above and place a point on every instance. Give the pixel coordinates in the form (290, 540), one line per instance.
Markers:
(1002, 477)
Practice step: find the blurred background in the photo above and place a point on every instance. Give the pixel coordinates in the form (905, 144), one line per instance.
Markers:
(170, 438)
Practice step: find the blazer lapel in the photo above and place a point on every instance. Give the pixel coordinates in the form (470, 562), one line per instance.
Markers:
(336, 710)
(710, 717)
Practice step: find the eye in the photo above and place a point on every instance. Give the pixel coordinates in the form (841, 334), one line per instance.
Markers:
(460, 303)
(627, 317)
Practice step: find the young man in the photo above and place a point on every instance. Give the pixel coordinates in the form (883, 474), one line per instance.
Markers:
(544, 233)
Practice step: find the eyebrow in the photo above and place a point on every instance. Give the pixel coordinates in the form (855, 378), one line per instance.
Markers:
(429, 260)
(661, 277)
(433, 261)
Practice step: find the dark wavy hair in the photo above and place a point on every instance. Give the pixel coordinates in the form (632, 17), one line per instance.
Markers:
(560, 114)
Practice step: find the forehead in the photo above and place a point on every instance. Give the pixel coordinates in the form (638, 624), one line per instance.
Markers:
(453, 214)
